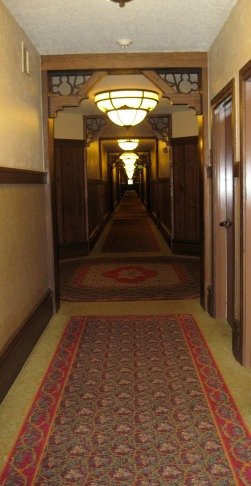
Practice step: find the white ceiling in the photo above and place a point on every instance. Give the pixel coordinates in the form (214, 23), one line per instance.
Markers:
(95, 26)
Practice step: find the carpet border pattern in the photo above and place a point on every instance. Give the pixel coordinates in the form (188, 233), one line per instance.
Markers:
(27, 452)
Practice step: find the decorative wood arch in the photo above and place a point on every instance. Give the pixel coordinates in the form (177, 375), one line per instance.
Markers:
(149, 64)
(190, 99)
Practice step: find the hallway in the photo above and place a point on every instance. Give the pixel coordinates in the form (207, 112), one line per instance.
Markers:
(217, 334)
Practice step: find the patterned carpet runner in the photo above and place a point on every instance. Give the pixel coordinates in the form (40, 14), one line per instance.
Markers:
(130, 235)
(131, 401)
(156, 278)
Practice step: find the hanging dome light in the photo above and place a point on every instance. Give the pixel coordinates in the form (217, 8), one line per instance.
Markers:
(127, 107)
(129, 144)
(129, 159)
(129, 156)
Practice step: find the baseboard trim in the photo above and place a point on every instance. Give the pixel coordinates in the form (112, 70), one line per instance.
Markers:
(95, 234)
(165, 233)
(20, 345)
(237, 341)
(73, 251)
(185, 247)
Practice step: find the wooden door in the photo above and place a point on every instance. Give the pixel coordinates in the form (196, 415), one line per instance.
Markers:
(72, 214)
(185, 196)
(223, 205)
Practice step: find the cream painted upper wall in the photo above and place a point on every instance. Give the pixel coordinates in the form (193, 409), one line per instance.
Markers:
(184, 124)
(228, 54)
(231, 48)
(20, 99)
(68, 126)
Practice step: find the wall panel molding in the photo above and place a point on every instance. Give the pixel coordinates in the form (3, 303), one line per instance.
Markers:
(21, 176)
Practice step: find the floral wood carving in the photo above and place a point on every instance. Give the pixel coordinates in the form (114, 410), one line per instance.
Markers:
(95, 127)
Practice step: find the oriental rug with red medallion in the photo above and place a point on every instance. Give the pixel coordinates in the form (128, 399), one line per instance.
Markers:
(131, 278)
(131, 400)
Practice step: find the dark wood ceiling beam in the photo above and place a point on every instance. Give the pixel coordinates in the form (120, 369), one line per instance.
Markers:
(144, 60)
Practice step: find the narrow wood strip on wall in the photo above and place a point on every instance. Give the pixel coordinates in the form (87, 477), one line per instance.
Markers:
(21, 176)
(20, 345)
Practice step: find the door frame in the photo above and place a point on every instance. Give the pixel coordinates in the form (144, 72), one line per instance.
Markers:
(245, 213)
(121, 64)
(218, 304)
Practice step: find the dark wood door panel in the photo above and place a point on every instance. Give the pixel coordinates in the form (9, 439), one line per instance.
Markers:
(186, 202)
(71, 192)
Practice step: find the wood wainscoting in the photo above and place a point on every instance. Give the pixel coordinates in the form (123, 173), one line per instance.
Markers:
(21, 343)
(165, 223)
(21, 176)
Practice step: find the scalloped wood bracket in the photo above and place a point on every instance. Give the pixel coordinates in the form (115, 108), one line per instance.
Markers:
(57, 103)
(95, 127)
(191, 100)
(159, 125)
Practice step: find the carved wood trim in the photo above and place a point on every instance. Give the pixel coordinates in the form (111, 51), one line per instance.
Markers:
(93, 133)
(21, 176)
(191, 100)
(159, 82)
(90, 83)
(156, 133)
(57, 103)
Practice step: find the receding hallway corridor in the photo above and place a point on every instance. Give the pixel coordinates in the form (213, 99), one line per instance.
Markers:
(217, 335)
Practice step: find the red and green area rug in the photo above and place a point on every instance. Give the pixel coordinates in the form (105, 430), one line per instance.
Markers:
(104, 279)
(131, 401)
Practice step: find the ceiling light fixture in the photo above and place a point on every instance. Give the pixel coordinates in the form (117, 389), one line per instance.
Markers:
(127, 107)
(124, 43)
(128, 144)
(129, 159)
(121, 2)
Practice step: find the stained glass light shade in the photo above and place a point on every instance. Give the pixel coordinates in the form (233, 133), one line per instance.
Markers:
(127, 107)
(130, 144)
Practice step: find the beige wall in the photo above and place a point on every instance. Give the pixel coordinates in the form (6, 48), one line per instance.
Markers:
(23, 245)
(184, 124)
(68, 126)
(20, 99)
(228, 53)
(104, 158)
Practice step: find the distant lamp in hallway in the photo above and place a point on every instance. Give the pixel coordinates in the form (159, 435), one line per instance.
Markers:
(129, 144)
(127, 107)
(129, 159)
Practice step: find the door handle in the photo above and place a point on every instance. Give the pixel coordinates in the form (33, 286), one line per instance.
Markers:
(226, 223)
